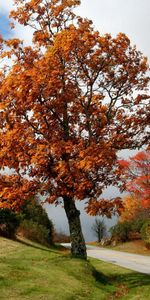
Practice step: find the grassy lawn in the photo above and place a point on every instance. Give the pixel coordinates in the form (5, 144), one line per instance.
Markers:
(31, 271)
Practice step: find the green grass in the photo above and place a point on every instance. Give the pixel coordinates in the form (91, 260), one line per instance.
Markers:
(31, 271)
(129, 284)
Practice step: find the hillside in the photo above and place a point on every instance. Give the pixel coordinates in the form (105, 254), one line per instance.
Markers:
(31, 271)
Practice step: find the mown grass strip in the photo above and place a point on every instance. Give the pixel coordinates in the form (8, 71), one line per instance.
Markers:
(31, 271)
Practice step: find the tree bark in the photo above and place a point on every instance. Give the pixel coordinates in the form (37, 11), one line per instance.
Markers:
(78, 247)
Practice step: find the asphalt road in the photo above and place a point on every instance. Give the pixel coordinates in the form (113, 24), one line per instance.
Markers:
(139, 263)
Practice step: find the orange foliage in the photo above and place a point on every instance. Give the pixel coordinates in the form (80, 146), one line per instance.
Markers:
(132, 208)
(135, 174)
(105, 207)
(67, 106)
(14, 190)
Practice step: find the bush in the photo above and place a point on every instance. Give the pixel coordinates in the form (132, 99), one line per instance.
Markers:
(34, 232)
(60, 237)
(120, 232)
(33, 211)
(135, 230)
(128, 230)
(136, 225)
(145, 233)
(105, 241)
(9, 222)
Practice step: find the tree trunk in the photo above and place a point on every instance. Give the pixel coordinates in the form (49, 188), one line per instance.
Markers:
(78, 247)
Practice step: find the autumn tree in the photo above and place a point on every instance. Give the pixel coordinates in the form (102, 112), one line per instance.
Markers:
(133, 209)
(135, 175)
(68, 104)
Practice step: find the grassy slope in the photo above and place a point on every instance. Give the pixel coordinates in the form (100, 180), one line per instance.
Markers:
(30, 271)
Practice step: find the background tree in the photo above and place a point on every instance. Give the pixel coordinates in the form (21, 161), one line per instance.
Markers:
(133, 209)
(34, 212)
(135, 174)
(68, 103)
(99, 229)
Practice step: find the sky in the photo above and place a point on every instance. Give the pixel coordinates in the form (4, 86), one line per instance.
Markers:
(131, 17)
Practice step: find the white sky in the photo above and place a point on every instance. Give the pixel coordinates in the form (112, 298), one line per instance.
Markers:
(109, 16)
(129, 16)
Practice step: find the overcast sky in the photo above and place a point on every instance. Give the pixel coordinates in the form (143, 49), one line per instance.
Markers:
(131, 17)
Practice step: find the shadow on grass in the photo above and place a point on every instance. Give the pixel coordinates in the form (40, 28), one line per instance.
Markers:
(131, 279)
(100, 277)
(120, 284)
(29, 244)
(126, 281)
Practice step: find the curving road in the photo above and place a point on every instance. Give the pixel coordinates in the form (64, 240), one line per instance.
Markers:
(139, 263)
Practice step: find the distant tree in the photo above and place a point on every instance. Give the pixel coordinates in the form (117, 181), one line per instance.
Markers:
(135, 174)
(99, 229)
(133, 209)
